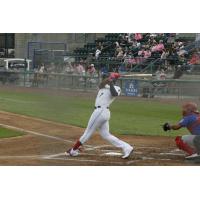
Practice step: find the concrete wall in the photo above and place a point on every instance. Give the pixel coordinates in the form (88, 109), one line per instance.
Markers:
(73, 40)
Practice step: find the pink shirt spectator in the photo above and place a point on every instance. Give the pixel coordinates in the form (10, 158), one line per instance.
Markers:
(80, 69)
(147, 54)
(138, 36)
(132, 61)
(195, 59)
(159, 47)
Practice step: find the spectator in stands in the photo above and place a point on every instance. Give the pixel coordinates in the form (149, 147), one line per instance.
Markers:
(134, 43)
(175, 46)
(164, 56)
(181, 45)
(125, 39)
(117, 49)
(42, 68)
(140, 57)
(97, 53)
(127, 56)
(138, 36)
(151, 41)
(68, 68)
(132, 61)
(181, 59)
(181, 50)
(130, 38)
(195, 60)
(100, 46)
(160, 74)
(91, 70)
(178, 72)
(159, 47)
(141, 52)
(80, 69)
(52, 68)
(147, 53)
(173, 57)
(120, 54)
(138, 44)
(154, 35)
(144, 53)
(117, 44)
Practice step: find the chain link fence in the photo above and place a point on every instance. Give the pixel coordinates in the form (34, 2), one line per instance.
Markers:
(130, 86)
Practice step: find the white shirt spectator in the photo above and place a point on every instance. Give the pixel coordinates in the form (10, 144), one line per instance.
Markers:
(164, 55)
(120, 54)
(68, 68)
(138, 44)
(97, 53)
(41, 70)
(91, 70)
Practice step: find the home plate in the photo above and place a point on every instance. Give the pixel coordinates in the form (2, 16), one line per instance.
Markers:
(113, 154)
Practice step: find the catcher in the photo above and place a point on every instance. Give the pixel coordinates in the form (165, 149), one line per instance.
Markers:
(191, 120)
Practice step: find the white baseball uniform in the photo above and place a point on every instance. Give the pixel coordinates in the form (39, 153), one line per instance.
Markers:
(100, 118)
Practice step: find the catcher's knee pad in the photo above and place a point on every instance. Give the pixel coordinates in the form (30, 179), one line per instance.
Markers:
(183, 146)
(197, 143)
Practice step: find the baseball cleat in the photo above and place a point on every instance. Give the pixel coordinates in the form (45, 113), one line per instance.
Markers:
(193, 157)
(127, 152)
(72, 152)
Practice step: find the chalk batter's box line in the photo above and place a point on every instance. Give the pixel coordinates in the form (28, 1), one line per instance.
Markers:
(41, 134)
(54, 138)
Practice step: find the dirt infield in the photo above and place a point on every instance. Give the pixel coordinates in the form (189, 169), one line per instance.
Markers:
(46, 142)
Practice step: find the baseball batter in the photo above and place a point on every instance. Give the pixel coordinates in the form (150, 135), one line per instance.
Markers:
(191, 120)
(100, 117)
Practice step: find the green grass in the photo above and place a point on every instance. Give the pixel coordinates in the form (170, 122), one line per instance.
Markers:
(6, 133)
(127, 116)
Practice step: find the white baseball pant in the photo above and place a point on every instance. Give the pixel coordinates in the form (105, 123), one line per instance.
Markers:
(100, 120)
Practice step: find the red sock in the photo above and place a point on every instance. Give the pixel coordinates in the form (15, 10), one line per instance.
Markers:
(184, 146)
(77, 145)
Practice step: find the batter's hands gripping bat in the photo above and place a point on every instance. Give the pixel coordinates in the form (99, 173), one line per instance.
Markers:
(114, 76)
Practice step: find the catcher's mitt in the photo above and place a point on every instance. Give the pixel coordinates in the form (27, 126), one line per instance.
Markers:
(166, 127)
